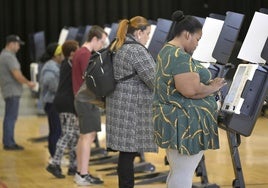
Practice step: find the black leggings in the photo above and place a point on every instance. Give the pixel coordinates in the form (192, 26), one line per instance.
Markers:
(125, 169)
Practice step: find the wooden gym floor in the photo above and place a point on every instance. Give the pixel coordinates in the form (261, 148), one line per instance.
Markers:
(26, 169)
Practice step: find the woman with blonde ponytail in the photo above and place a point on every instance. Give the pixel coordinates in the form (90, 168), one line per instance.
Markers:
(129, 128)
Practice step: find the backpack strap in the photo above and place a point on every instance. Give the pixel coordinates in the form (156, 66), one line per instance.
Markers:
(134, 73)
(135, 42)
(126, 77)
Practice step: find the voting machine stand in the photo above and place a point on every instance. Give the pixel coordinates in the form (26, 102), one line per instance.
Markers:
(247, 93)
(222, 52)
(139, 167)
(239, 119)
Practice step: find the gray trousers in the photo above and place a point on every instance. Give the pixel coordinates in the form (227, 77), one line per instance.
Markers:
(182, 168)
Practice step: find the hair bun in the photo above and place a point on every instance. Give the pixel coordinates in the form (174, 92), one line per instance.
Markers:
(177, 16)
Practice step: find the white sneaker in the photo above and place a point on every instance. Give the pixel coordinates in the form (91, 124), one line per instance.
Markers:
(87, 180)
(77, 177)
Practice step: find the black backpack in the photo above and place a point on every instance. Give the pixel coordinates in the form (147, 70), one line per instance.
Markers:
(99, 75)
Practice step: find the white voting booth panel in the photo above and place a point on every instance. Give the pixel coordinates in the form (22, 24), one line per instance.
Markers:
(108, 31)
(211, 31)
(153, 27)
(255, 39)
(63, 35)
(34, 76)
(210, 34)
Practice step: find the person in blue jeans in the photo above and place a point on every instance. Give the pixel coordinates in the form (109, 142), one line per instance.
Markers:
(49, 80)
(11, 81)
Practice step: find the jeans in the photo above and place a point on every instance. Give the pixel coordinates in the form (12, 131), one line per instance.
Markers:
(54, 127)
(10, 118)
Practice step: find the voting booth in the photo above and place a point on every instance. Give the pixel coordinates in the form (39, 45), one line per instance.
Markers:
(244, 98)
(85, 34)
(159, 37)
(214, 50)
(37, 46)
(242, 105)
(72, 33)
(246, 95)
(113, 30)
(63, 35)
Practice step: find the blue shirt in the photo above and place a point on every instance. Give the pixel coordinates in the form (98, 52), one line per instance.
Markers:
(49, 81)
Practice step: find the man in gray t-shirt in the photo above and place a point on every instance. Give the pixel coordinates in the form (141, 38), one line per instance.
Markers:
(11, 80)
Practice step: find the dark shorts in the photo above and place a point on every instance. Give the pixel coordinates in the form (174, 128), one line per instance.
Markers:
(88, 116)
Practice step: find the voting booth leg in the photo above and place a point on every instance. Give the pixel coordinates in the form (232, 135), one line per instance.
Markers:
(234, 141)
(98, 150)
(152, 178)
(141, 166)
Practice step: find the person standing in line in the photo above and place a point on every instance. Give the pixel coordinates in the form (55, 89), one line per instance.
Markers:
(49, 80)
(88, 114)
(129, 127)
(184, 107)
(64, 103)
(11, 80)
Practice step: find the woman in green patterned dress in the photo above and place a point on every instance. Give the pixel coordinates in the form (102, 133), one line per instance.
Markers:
(185, 109)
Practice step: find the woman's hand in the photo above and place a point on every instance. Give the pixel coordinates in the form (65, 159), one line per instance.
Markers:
(218, 83)
(189, 85)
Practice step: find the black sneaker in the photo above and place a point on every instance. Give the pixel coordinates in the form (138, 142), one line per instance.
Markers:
(55, 170)
(71, 171)
(14, 147)
(88, 180)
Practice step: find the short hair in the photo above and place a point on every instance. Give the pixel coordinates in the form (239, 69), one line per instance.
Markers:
(68, 47)
(50, 51)
(95, 31)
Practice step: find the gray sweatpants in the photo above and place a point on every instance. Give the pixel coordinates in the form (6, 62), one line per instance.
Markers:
(182, 168)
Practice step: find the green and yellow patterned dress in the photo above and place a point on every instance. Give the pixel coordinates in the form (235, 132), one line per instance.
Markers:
(188, 125)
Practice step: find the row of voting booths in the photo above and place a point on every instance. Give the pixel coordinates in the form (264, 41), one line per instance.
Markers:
(240, 101)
